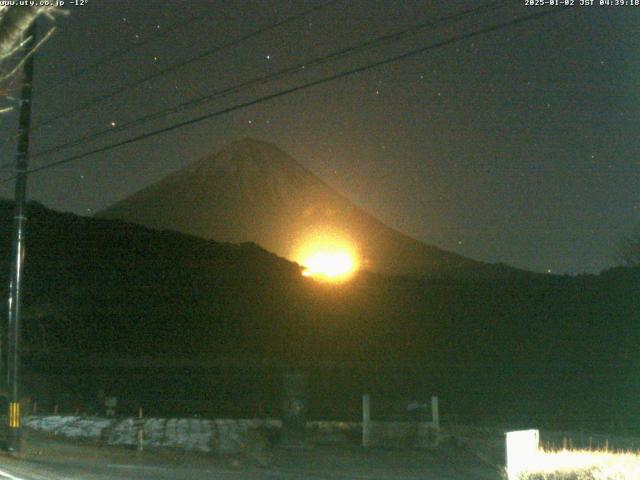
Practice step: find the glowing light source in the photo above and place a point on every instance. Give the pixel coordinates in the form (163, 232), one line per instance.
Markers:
(332, 265)
(327, 257)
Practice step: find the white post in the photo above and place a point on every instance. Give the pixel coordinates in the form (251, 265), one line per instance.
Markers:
(435, 414)
(140, 432)
(366, 420)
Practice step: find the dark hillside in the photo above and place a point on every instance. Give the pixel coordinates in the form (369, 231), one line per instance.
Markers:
(558, 346)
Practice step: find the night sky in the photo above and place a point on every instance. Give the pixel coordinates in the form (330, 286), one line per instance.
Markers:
(517, 146)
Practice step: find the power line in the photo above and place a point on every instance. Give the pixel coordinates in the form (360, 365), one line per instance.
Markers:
(493, 28)
(297, 68)
(125, 50)
(182, 64)
(301, 87)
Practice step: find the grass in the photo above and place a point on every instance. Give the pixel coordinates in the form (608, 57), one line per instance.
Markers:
(583, 465)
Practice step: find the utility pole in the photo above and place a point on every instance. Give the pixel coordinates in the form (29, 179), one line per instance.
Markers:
(18, 246)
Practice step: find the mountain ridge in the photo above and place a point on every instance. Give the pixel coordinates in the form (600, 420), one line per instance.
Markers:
(253, 191)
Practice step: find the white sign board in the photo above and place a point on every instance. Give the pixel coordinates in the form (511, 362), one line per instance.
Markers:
(522, 449)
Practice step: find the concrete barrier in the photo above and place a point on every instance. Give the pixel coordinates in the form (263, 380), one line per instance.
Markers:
(224, 436)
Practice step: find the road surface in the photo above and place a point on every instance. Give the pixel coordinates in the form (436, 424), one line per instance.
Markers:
(53, 460)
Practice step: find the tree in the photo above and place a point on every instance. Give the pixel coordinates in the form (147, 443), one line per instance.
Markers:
(14, 22)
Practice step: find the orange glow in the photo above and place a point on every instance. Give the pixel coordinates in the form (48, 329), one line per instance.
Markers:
(327, 257)
(332, 265)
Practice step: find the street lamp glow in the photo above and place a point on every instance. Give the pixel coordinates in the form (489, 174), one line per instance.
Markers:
(332, 265)
(327, 257)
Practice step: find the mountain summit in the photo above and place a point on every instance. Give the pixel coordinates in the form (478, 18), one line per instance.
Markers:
(252, 191)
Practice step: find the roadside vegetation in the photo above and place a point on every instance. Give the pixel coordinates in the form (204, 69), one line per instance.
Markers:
(583, 465)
